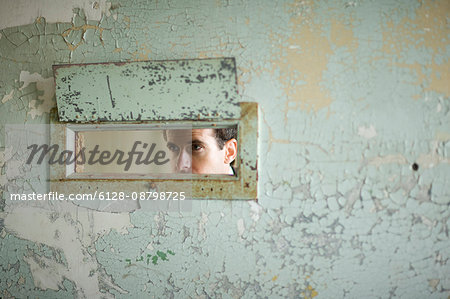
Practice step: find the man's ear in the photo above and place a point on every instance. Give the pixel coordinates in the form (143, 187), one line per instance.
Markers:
(230, 150)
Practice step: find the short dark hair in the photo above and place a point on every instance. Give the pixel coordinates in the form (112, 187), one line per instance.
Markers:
(225, 134)
(222, 135)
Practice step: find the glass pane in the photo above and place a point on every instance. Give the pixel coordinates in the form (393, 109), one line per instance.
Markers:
(150, 151)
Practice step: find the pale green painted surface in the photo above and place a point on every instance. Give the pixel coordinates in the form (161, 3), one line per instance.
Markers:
(352, 94)
(148, 90)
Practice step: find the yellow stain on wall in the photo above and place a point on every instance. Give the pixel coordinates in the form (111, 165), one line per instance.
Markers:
(442, 136)
(274, 278)
(312, 293)
(342, 34)
(83, 28)
(303, 59)
(428, 29)
(127, 20)
(247, 71)
(302, 67)
(142, 54)
(21, 280)
(209, 54)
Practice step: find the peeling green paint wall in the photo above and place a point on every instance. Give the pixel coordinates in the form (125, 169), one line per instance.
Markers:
(352, 94)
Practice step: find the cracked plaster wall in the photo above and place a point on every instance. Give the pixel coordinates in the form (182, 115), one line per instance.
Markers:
(352, 94)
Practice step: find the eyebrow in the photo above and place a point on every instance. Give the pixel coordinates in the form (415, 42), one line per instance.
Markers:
(196, 141)
(171, 144)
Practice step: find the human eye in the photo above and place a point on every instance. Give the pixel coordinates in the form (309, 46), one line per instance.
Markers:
(173, 148)
(197, 148)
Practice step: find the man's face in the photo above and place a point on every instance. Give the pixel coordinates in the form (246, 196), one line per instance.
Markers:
(196, 151)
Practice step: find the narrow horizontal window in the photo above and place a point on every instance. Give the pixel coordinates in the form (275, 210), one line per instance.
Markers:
(159, 151)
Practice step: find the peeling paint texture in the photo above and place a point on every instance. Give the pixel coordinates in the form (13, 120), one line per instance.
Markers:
(151, 90)
(354, 165)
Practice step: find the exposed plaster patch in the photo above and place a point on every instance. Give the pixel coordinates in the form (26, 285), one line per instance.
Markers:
(304, 61)
(427, 222)
(15, 169)
(161, 223)
(367, 133)
(79, 228)
(245, 72)
(202, 225)
(353, 195)
(142, 54)
(2, 158)
(46, 85)
(23, 12)
(442, 136)
(433, 283)
(342, 35)
(28, 78)
(47, 274)
(388, 159)
(72, 32)
(21, 280)
(432, 158)
(7, 295)
(240, 227)
(309, 293)
(302, 65)
(104, 222)
(428, 29)
(307, 227)
(8, 97)
(272, 139)
(255, 211)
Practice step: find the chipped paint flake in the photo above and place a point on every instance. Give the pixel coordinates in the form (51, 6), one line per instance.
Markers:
(433, 158)
(345, 86)
(302, 66)
(427, 29)
(45, 85)
(434, 283)
(202, 225)
(256, 211)
(47, 274)
(179, 90)
(23, 12)
(367, 132)
(388, 159)
(76, 230)
(8, 97)
(240, 227)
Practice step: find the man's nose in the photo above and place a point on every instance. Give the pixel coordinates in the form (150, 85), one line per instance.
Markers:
(184, 162)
